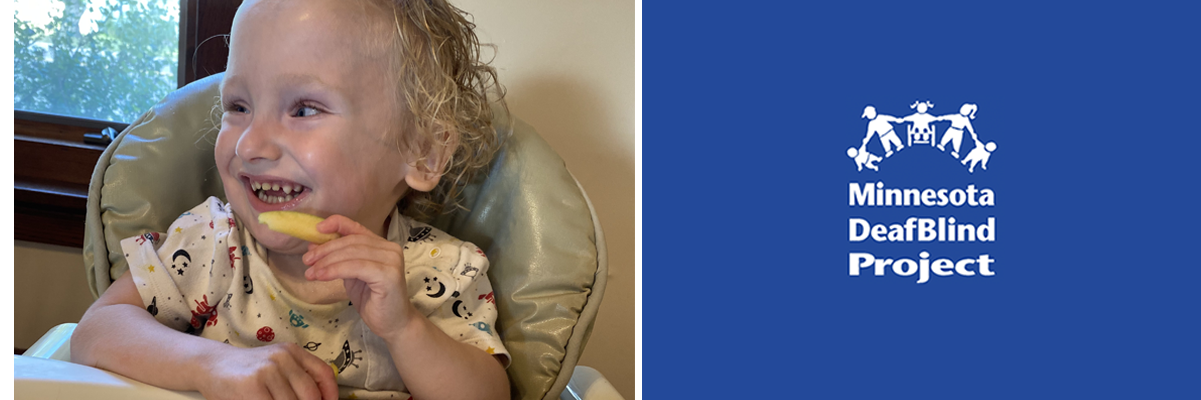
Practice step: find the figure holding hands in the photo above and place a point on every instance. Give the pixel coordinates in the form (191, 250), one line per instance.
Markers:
(880, 124)
(959, 122)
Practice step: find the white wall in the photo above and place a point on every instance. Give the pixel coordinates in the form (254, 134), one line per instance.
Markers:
(569, 70)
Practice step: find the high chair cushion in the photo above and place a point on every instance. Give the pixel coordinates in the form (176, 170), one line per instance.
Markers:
(529, 215)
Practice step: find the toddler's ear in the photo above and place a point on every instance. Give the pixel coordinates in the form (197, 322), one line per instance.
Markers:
(425, 175)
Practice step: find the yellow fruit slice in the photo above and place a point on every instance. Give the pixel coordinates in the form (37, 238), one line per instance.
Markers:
(296, 224)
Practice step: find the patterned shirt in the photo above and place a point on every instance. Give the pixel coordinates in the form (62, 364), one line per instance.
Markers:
(208, 277)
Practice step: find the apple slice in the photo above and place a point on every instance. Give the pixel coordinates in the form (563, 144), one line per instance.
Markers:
(297, 224)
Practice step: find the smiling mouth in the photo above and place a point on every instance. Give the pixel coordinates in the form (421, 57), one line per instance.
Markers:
(276, 192)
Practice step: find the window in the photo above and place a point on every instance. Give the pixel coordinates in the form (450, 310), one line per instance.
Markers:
(95, 59)
(84, 65)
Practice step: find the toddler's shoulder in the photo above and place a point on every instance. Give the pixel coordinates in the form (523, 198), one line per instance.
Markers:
(212, 217)
(447, 280)
(190, 266)
(420, 233)
(425, 245)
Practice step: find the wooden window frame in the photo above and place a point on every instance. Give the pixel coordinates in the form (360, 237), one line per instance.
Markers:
(53, 165)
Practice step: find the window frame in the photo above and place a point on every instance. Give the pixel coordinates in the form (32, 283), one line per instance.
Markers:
(53, 165)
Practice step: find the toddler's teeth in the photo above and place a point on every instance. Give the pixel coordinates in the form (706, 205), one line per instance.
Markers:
(287, 189)
(262, 196)
(275, 186)
(288, 198)
(255, 185)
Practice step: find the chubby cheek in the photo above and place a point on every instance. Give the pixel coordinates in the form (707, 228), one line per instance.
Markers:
(224, 153)
(235, 194)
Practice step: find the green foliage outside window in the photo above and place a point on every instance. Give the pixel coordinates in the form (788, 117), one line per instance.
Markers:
(115, 72)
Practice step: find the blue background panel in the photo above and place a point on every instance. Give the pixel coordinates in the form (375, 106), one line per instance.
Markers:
(748, 112)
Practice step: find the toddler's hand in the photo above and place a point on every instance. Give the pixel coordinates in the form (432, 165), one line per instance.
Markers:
(278, 371)
(371, 268)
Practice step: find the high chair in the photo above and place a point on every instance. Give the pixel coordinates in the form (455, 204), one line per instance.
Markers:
(531, 217)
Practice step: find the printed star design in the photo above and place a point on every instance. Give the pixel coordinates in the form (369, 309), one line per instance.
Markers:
(491, 350)
(150, 267)
(427, 280)
(178, 230)
(180, 271)
(272, 296)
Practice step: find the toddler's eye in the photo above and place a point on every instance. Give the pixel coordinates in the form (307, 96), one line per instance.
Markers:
(233, 107)
(305, 111)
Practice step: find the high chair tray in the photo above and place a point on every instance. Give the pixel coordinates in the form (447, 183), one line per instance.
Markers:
(40, 378)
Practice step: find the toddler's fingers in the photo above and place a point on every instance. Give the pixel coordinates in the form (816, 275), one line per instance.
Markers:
(380, 263)
(342, 225)
(366, 271)
(354, 244)
(279, 387)
(303, 385)
(321, 373)
(382, 256)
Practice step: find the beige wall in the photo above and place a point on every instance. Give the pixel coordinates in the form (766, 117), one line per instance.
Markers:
(569, 71)
(50, 288)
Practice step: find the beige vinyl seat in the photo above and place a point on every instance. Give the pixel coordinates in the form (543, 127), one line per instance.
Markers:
(530, 216)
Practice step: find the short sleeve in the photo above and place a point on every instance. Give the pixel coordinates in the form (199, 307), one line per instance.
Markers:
(448, 282)
(471, 317)
(183, 275)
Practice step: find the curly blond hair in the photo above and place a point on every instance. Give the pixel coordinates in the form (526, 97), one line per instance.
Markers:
(444, 88)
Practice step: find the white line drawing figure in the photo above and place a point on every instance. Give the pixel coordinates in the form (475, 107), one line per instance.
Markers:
(959, 122)
(979, 154)
(863, 158)
(881, 125)
(920, 130)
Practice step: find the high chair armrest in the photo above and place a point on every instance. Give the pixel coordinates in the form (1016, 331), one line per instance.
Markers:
(36, 377)
(588, 384)
(40, 378)
(55, 344)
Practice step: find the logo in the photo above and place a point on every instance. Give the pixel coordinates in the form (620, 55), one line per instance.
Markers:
(921, 128)
(945, 244)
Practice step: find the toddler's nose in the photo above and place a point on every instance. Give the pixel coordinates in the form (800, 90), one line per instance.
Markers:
(258, 142)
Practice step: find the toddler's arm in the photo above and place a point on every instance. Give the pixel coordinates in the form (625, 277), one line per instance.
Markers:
(119, 335)
(425, 356)
(432, 364)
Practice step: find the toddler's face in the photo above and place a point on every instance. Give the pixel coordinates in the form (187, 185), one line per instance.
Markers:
(308, 123)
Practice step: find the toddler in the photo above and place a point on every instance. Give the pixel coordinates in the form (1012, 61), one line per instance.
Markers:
(979, 154)
(863, 158)
(366, 112)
